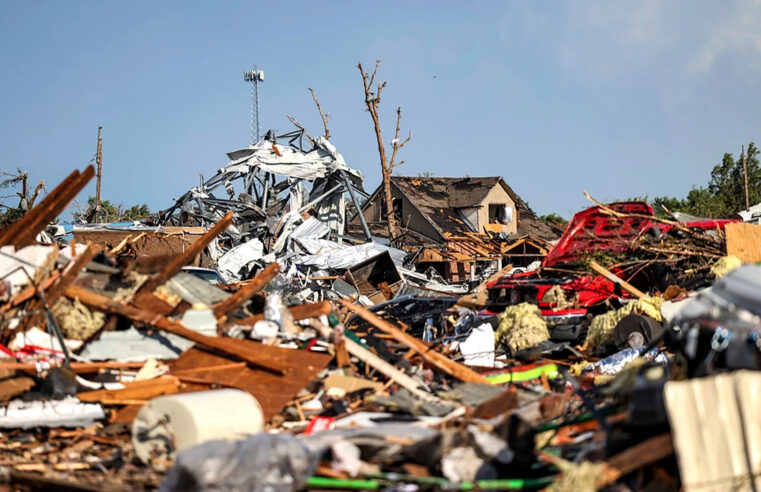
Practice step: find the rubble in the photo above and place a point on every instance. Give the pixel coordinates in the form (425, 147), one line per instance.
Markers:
(271, 349)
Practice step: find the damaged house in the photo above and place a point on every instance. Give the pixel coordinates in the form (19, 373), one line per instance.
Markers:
(460, 224)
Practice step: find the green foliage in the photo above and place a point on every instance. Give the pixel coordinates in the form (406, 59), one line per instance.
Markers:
(10, 215)
(724, 196)
(553, 219)
(425, 174)
(111, 213)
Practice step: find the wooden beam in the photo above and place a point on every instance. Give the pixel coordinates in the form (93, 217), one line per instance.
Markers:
(638, 456)
(138, 390)
(616, 279)
(447, 365)
(245, 292)
(179, 261)
(228, 346)
(77, 367)
(29, 292)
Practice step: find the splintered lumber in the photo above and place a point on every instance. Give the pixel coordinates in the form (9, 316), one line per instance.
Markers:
(616, 279)
(379, 364)
(179, 261)
(744, 241)
(227, 346)
(139, 390)
(72, 271)
(29, 291)
(47, 210)
(449, 366)
(77, 367)
(645, 453)
(299, 312)
(245, 292)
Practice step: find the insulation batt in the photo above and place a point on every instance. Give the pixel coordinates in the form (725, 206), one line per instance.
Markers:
(601, 329)
(520, 327)
(724, 265)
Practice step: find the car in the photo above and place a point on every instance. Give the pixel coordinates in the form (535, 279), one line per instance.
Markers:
(591, 232)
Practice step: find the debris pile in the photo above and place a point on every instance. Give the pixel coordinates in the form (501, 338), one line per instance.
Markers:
(299, 357)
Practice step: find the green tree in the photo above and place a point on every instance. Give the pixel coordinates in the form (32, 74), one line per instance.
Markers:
(110, 213)
(727, 184)
(724, 196)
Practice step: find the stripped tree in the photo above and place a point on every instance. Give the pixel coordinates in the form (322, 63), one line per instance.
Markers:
(372, 100)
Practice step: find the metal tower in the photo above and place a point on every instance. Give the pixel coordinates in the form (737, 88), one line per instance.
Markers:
(254, 76)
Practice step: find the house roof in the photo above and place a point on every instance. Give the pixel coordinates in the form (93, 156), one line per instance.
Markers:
(439, 198)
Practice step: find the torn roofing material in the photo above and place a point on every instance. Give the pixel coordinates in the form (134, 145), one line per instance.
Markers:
(441, 200)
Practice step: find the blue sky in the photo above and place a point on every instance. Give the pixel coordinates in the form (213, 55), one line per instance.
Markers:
(616, 98)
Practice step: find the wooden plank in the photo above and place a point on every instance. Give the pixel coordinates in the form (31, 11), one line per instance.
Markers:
(616, 279)
(29, 291)
(299, 312)
(77, 367)
(179, 261)
(744, 241)
(228, 346)
(447, 365)
(139, 390)
(245, 292)
(638, 456)
(28, 233)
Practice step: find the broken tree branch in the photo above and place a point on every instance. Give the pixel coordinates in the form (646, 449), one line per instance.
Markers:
(324, 116)
(396, 145)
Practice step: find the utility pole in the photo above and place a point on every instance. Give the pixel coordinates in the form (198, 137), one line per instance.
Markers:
(99, 162)
(745, 172)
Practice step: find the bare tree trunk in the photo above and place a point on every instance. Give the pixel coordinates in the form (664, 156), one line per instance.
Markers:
(745, 173)
(372, 100)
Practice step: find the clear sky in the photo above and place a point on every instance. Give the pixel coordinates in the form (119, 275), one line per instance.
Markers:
(616, 98)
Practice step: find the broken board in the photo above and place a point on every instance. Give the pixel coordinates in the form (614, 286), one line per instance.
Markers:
(744, 241)
(273, 391)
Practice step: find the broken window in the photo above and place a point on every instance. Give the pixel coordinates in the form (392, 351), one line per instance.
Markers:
(500, 213)
(397, 204)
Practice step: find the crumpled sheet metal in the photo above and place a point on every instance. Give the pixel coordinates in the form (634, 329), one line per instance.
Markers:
(239, 257)
(134, 346)
(340, 256)
(323, 160)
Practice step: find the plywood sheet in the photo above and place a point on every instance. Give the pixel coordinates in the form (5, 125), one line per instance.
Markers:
(744, 241)
(273, 391)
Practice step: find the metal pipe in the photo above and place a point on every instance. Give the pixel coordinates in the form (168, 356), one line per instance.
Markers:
(354, 200)
(320, 198)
